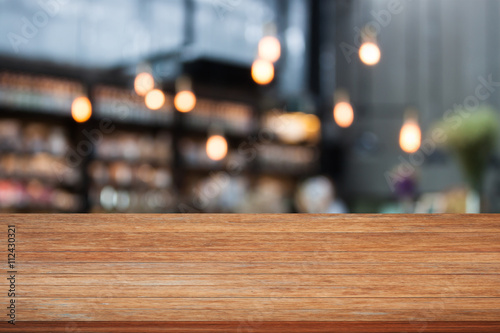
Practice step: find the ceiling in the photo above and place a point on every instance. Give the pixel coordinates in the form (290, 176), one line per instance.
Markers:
(101, 34)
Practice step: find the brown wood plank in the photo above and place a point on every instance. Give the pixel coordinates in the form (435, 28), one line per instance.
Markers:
(336, 225)
(276, 279)
(418, 268)
(421, 219)
(231, 241)
(380, 304)
(218, 272)
(117, 314)
(254, 327)
(262, 256)
(382, 290)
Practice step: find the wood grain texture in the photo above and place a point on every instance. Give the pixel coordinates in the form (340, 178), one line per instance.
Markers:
(254, 273)
(254, 327)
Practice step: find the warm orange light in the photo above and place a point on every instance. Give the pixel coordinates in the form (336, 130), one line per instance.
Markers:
(312, 123)
(144, 83)
(369, 53)
(155, 99)
(270, 49)
(185, 101)
(216, 147)
(343, 114)
(262, 71)
(410, 137)
(81, 109)
(294, 127)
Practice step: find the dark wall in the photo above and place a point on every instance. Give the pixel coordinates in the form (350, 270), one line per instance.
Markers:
(433, 53)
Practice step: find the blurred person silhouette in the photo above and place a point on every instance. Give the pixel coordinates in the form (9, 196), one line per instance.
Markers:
(317, 195)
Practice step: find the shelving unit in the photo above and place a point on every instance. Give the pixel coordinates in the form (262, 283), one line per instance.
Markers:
(123, 105)
(148, 161)
(34, 173)
(132, 171)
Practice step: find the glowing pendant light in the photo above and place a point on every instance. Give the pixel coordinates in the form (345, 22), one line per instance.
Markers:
(269, 49)
(369, 52)
(81, 109)
(155, 99)
(216, 147)
(144, 83)
(262, 71)
(185, 99)
(343, 113)
(410, 137)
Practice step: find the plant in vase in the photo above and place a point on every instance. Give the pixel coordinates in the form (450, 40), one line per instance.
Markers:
(471, 136)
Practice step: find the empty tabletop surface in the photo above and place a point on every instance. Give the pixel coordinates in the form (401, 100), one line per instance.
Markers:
(250, 273)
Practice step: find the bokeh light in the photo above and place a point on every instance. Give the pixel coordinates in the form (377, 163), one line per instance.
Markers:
(270, 49)
(185, 101)
(216, 147)
(299, 127)
(410, 137)
(343, 114)
(369, 53)
(312, 123)
(262, 71)
(144, 83)
(81, 109)
(155, 99)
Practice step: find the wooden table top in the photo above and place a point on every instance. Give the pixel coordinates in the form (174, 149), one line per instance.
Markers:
(251, 273)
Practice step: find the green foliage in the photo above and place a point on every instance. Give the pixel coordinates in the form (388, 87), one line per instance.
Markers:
(472, 137)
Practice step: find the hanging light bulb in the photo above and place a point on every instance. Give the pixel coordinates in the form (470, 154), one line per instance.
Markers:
(216, 147)
(262, 71)
(155, 99)
(144, 83)
(410, 137)
(343, 113)
(185, 99)
(369, 53)
(81, 109)
(269, 49)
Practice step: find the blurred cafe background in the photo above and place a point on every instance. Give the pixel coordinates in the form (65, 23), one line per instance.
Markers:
(249, 106)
